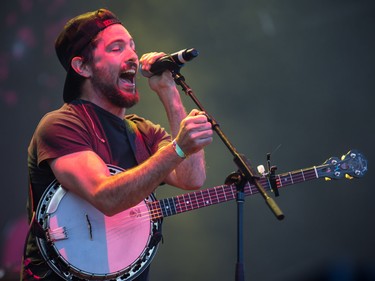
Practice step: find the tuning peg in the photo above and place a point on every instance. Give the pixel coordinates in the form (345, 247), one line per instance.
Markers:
(261, 169)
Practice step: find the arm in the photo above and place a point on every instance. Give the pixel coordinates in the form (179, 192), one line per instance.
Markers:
(191, 132)
(85, 174)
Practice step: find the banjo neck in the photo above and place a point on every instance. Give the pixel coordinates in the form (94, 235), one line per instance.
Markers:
(353, 164)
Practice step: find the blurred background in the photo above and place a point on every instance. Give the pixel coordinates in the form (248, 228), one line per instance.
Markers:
(292, 78)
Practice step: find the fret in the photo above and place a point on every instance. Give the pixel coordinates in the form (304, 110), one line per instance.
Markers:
(221, 194)
(227, 191)
(217, 195)
(296, 176)
(196, 200)
(164, 210)
(224, 192)
(251, 189)
(232, 189)
(207, 199)
(316, 172)
(309, 174)
(291, 178)
(200, 197)
(172, 206)
(299, 176)
(247, 189)
(209, 196)
(280, 181)
(179, 204)
(189, 202)
(186, 202)
(212, 196)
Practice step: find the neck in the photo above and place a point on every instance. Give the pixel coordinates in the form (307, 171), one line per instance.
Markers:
(100, 100)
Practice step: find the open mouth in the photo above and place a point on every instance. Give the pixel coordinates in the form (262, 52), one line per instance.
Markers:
(128, 77)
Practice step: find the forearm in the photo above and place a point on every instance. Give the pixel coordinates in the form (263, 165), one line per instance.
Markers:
(190, 174)
(90, 179)
(192, 132)
(174, 109)
(126, 189)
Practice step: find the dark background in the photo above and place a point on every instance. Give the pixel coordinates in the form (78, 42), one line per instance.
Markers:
(295, 78)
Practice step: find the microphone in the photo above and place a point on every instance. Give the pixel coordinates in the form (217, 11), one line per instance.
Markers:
(170, 62)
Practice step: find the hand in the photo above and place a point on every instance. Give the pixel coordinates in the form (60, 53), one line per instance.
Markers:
(195, 132)
(157, 82)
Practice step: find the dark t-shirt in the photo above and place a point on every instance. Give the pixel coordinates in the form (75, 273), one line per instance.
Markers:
(117, 133)
(81, 126)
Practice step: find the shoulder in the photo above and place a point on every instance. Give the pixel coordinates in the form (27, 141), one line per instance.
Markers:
(60, 126)
(64, 117)
(144, 125)
(67, 111)
(153, 134)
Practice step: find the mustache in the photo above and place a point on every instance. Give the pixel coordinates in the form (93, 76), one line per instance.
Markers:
(130, 65)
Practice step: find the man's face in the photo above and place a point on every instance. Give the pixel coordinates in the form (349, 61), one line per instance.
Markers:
(114, 66)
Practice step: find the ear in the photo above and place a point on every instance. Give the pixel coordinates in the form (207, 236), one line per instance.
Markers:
(80, 67)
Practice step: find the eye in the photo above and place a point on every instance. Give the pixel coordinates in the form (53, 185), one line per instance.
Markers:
(116, 49)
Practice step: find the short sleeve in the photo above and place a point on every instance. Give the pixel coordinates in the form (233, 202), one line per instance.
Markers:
(59, 134)
(154, 135)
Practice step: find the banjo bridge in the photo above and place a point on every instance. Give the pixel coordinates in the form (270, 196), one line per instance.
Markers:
(57, 234)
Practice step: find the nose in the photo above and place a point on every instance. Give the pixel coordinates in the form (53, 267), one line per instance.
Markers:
(133, 56)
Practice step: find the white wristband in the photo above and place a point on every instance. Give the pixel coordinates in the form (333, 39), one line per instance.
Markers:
(178, 149)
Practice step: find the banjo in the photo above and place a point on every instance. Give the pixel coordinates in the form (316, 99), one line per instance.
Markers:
(81, 243)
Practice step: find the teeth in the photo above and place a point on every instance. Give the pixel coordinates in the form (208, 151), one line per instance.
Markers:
(129, 71)
(128, 75)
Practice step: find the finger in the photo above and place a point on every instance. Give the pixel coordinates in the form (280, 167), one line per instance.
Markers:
(200, 116)
(194, 112)
(149, 58)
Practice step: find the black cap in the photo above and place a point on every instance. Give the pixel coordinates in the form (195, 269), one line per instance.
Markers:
(76, 35)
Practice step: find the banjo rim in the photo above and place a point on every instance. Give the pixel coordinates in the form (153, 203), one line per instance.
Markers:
(68, 271)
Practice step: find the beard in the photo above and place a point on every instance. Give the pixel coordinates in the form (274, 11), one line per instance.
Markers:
(105, 82)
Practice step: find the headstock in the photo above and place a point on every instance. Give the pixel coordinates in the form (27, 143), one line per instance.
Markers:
(351, 165)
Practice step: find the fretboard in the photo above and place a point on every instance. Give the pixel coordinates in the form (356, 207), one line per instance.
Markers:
(223, 193)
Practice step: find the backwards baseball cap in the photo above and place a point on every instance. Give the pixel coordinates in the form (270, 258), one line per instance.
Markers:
(76, 35)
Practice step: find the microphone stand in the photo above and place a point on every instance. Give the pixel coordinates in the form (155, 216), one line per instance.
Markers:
(245, 173)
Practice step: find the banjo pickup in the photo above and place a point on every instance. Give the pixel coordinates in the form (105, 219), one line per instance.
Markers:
(56, 234)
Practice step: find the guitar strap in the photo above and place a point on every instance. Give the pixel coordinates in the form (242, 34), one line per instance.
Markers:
(141, 151)
(34, 227)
